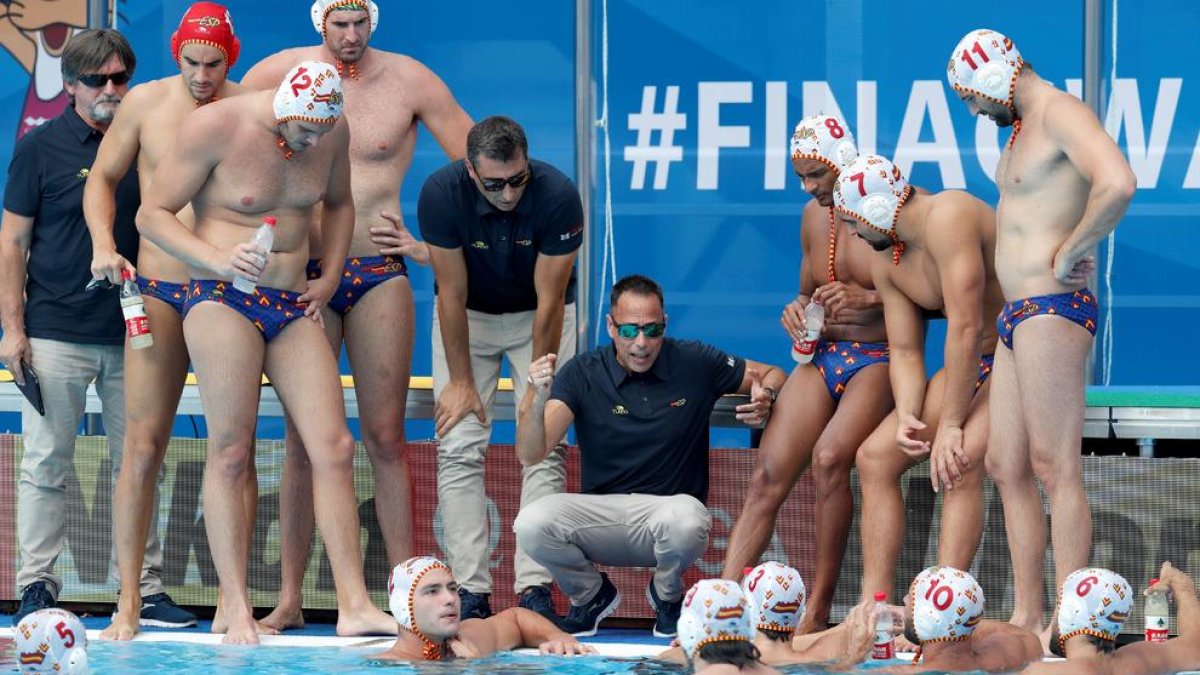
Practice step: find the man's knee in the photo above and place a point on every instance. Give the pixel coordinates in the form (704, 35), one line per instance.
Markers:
(384, 439)
(537, 524)
(1057, 469)
(768, 488)
(229, 457)
(335, 454)
(456, 455)
(831, 462)
(876, 461)
(688, 521)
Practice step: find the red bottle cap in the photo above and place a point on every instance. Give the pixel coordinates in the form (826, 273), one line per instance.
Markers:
(1153, 581)
(747, 570)
(880, 596)
(269, 220)
(126, 275)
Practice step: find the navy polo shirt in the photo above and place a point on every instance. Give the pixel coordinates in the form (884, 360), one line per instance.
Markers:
(500, 248)
(646, 433)
(46, 176)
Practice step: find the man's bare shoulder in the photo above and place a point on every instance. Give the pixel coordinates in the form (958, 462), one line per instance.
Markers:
(948, 209)
(149, 95)
(266, 74)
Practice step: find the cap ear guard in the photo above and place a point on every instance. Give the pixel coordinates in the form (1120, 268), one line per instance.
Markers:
(878, 210)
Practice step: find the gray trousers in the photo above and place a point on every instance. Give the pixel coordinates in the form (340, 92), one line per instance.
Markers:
(65, 370)
(461, 496)
(569, 533)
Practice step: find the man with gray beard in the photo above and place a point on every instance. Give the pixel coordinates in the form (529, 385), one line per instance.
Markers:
(52, 324)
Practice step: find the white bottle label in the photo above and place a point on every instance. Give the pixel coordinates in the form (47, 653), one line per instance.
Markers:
(885, 647)
(1156, 629)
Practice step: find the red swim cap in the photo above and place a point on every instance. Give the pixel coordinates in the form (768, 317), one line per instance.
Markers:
(207, 23)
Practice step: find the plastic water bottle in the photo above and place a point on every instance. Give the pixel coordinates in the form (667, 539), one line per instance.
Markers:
(1158, 615)
(137, 324)
(885, 645)
(814, 321)
(264, 236)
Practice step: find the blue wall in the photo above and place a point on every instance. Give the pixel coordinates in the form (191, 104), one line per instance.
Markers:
(719, 228)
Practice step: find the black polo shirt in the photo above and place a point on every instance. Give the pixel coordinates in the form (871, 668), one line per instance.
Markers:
(500, 248)
(46, 176)
(646, 433)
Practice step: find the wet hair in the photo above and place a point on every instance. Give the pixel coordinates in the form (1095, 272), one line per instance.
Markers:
(1103, 646)
(635, 283)
(737, 653)
(87, 52)
(776, 635)
(498, 138)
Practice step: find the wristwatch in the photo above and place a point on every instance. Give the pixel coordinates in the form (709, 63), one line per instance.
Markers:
(774, 394)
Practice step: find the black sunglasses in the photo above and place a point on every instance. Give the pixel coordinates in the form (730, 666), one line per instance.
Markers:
(101, 80)
(629, 331)
(497, 184)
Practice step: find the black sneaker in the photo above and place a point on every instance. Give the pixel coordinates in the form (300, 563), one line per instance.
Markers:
(666, 614)
(160, 611)
(538, 599)
(35, 596)
(582, 621)
(473, 605)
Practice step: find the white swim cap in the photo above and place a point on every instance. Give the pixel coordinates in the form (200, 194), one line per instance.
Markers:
(872, 190)
(775, 595)
(51, 641)
(714, 610)
(1093, 601)
(947, 604)
(402, 590)
(826, 139)
(322, 8)
(986, 64)
(310, 92)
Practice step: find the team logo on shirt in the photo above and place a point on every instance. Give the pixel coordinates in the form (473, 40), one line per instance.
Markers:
(729, 360)
(83, 173)
(679, 403)
(578, 229)
(524, 242)
(620, 410)
(479, 245)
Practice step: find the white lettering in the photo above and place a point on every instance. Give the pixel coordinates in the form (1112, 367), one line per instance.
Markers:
(1125, 110)
(775, 158)
(929, 95)
(711, 136)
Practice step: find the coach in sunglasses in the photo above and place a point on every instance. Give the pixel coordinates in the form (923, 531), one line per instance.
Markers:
(503, 230)
(70, 336)
(640, 408)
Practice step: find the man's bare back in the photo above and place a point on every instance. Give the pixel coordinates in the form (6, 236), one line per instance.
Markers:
(381, 107)
(918, 276)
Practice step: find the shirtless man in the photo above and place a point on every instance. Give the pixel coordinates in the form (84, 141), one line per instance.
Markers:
(943, 613)
(829, 407)
(284, 155)
(715, 631)
(424, 599)
(1064, 184)
(1093, 606)
(934, 254)
(386, 95)
(205, 47)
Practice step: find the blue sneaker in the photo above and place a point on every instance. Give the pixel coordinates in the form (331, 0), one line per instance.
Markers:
(35, 596)
(584, 620)
(473, 605)
(666, 614)
(538, 599)
(160, 611)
